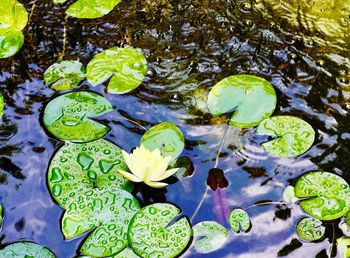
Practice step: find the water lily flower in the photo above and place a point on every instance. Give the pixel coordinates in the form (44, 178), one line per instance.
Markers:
(147, 166)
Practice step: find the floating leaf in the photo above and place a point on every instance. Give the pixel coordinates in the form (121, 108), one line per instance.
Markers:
(78, 169)
(328, 195)
(2, 105)
(185, 166)
(289, 195)
(126, 253)
(150, 234)
(310, 229)
(294, 135)
(343, 247)
(166, 137)
(65, 75)
(13, 15)
(127, 67)
(108, 211)
(250, 98)
(11, 42)
(68, 116)
(239, 218)
(216, 178)
(25, 250)
(209, 236)
(90, 9)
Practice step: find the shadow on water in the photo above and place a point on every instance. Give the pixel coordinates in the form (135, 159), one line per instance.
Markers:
(301, 47)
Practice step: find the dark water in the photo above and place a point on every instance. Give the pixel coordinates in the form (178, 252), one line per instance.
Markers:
(190, 46)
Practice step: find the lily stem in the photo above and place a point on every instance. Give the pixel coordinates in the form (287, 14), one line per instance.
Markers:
(204, 196)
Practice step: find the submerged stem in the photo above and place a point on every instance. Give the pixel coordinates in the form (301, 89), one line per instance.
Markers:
(61, 55)
(132, 121)
(215, 166)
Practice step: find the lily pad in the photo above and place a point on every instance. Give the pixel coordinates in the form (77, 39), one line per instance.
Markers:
(126, 253)
(127, 67)
(77, 169)
(209, 236)
(250, 98)
(90, 9)
(343, 247)
(239, 218)
(13, 15)
(25, 250)
(289, 195)
(166, 137)
(107, 211)
(293, 135)
(327, 195)
(2, 105)
(11, 42)
(310, 229)
(64, 75)
(68, 116)
(151, 236)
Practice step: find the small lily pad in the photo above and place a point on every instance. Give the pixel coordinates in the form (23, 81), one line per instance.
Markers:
(68, 116)
(250, 98)
(166, 137)
(90, 9)
(13, 15)
(294, 135)
(64, 75)
(343, 247)
(77, 169)
(11, 41)
(108, 212)
(310, 229)
(239, 218)
(25, 250)
(127, 67)
(151, 236)
(289, 195)
(209, 236)
(327, 195)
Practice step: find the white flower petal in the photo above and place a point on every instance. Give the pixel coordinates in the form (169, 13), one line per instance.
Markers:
(156, 184)
(167, 174)
(129, 176)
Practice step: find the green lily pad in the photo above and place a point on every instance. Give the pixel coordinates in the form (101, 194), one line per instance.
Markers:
(11, 41)
(68, 116)
(328, 195)
(13, 15)
(107, 211)
(64, 75)
(250, 98)
(126, 253)
(2, 105)
(310, 229)
(77, 169)
(127, 67)
(25, 250)
(289, 195)
(239, 218)
(294, 135)
(90, 9)
(166, 137)
(343, 247)
(151, 236)
(212, 236)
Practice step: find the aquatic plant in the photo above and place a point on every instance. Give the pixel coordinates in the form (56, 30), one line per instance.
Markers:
(26, 249)
(310, 229)
(147, 166)
(239, 220)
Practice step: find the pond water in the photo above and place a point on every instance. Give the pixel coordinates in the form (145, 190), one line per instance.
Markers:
(301, 47)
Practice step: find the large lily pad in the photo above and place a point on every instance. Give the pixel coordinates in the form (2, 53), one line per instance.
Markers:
(166, 137)
(327, 195)
(90, 9)
(25, 250)
(209, 236)
(250, 98)
(11, 42)
(127, 67)
(68, 116)
(64, 75)
(239, 219)
(310, 229)
(151, 236)
(294, 135)
(77, 169)
(106, 210)
(13, 15)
